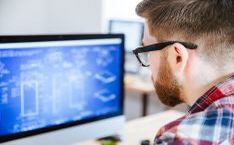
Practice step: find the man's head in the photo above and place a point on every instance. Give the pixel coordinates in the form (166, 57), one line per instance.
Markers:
(207, 23)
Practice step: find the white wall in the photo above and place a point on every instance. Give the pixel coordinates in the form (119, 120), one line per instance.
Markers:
(22, 16)
(74, 16)
(50, 16)
(119, 9)
(124, 9)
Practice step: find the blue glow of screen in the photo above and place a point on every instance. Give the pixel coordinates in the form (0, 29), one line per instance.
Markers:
(52, 85)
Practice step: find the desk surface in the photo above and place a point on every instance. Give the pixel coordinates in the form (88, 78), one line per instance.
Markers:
(138, 84)
(143, 128)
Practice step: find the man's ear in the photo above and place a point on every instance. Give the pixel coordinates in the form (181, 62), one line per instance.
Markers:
(178, 57)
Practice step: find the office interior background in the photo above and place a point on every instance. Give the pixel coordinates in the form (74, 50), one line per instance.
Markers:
(42, 17)
(83, 17)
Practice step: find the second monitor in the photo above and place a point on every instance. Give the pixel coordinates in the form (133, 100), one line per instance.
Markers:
(133, 31)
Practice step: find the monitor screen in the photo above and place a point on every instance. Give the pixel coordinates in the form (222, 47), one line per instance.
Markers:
(133, 31)
(53, 82)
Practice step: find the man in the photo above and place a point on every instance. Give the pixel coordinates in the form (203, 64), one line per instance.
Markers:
(189, 47)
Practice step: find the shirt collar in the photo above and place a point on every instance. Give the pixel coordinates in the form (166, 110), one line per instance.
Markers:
(219, 91)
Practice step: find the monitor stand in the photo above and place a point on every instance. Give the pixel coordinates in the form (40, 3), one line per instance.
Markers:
(116, 138)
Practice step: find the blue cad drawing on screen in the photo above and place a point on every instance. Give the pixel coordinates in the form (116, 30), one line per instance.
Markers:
(42, 86)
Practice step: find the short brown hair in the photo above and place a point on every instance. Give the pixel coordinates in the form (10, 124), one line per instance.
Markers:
(209, 20)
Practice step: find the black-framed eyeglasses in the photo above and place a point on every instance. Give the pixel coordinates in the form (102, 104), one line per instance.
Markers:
(142, 55)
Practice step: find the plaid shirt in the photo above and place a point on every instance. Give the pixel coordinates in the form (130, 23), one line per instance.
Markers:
(210, 121)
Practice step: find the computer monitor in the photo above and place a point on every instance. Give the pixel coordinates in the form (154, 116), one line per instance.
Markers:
(133, 31)
(60, 89)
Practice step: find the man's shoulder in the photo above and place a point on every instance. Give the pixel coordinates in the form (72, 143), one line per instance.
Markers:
(226, 104)
(218, 114)
(214, 124)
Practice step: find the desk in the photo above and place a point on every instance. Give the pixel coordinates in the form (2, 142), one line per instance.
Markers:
(143, 128)
(134, 83)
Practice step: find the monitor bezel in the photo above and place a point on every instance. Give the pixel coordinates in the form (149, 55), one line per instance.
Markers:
(67, 37)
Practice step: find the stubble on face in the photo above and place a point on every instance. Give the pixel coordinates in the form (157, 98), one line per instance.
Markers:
(167, 87)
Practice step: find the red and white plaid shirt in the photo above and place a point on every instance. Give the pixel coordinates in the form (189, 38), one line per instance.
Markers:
(210, 121)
